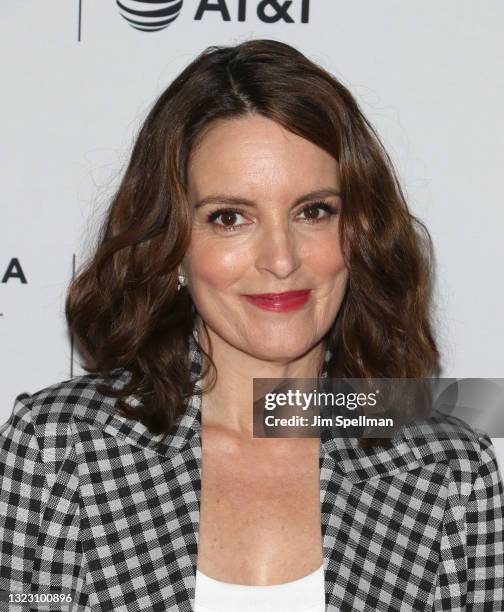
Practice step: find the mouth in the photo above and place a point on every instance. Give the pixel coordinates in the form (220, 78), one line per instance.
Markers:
(279, 302)
(278, 296)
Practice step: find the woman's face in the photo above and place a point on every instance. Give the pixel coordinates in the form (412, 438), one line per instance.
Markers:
(285, 238)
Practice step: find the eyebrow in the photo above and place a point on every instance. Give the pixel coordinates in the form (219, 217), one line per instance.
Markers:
(239, 201)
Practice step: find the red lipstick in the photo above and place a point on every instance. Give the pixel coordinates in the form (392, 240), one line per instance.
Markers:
(279, 302)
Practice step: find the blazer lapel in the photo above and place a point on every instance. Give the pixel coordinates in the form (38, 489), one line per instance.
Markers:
(383, 512)
(139, 505)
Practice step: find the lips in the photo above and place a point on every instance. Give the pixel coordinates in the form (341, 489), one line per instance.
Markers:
(279, 302)
(279, 296)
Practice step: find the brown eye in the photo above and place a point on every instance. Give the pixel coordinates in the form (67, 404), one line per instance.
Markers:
(312, 215)
(228, 217)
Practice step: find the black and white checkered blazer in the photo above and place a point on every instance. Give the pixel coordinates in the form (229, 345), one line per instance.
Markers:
(94, 506)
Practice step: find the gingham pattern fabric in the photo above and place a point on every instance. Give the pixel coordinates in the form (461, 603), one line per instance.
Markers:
(95, 506)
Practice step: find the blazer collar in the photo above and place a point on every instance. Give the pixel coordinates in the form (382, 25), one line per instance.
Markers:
(350, 461)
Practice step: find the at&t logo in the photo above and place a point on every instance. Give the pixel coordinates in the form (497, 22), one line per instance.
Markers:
(155, 15)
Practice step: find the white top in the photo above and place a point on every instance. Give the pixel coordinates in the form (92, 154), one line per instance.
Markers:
(305, 594)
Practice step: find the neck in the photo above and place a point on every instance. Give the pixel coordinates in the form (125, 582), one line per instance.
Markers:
(228, 406)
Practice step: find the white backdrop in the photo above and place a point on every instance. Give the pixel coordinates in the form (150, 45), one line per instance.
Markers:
(77, 80)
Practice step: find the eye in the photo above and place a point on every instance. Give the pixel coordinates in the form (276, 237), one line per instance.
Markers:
(312, 210)
(227, 214)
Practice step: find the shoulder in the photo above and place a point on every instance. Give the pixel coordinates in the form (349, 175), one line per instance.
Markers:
(446, 439)
(442, 447)
(46, 413)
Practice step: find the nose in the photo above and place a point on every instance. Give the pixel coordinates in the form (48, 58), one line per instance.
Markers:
(278, 249)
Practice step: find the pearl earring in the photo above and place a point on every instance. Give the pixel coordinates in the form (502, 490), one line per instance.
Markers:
(181, 281)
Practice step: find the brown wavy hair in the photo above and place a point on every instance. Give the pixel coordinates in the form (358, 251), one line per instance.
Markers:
(123, 307)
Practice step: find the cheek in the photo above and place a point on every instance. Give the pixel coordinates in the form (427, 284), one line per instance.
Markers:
(212, 264)
(325, 259)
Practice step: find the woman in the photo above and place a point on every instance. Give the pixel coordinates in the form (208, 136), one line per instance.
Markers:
(140, 486)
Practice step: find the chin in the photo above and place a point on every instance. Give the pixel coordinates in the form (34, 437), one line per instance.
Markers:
(272, 349)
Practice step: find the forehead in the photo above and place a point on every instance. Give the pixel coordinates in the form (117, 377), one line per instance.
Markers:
(254, 153)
